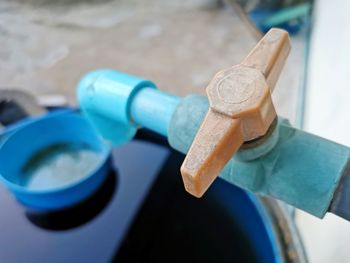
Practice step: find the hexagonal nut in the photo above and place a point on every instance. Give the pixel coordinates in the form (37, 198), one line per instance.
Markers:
(256, 120)
(242, 92)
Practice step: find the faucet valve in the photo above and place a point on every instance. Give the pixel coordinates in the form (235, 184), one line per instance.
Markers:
(241, 110)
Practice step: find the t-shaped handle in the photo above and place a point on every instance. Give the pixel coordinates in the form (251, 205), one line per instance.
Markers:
(241, 109)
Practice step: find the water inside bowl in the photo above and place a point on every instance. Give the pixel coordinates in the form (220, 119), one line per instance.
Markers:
(59, 165)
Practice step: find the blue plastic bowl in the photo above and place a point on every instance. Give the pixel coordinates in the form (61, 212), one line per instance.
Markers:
(21, 145)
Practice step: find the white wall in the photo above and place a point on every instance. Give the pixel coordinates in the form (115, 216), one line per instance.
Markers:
(328, 115)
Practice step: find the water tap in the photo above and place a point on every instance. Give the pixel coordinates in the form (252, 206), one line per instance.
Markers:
(233, 132)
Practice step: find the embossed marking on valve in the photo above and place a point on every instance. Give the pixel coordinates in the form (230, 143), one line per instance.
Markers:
(236, 89)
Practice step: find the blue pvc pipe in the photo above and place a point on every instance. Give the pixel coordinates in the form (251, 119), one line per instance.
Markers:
(153, 109)
(117, 104)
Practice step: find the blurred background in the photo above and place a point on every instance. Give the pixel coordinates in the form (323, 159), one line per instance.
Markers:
(47, 46)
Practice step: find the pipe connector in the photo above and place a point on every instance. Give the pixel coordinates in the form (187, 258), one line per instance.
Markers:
(105, 97)
(117, 104)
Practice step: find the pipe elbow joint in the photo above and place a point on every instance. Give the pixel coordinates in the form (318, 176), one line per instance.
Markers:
(105, 97)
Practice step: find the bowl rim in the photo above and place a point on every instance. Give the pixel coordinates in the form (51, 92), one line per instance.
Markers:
(10, 132)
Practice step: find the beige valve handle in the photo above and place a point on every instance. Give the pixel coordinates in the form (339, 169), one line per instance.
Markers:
(240, 110)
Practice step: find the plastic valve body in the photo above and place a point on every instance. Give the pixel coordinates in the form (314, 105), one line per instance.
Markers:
(241, 109)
